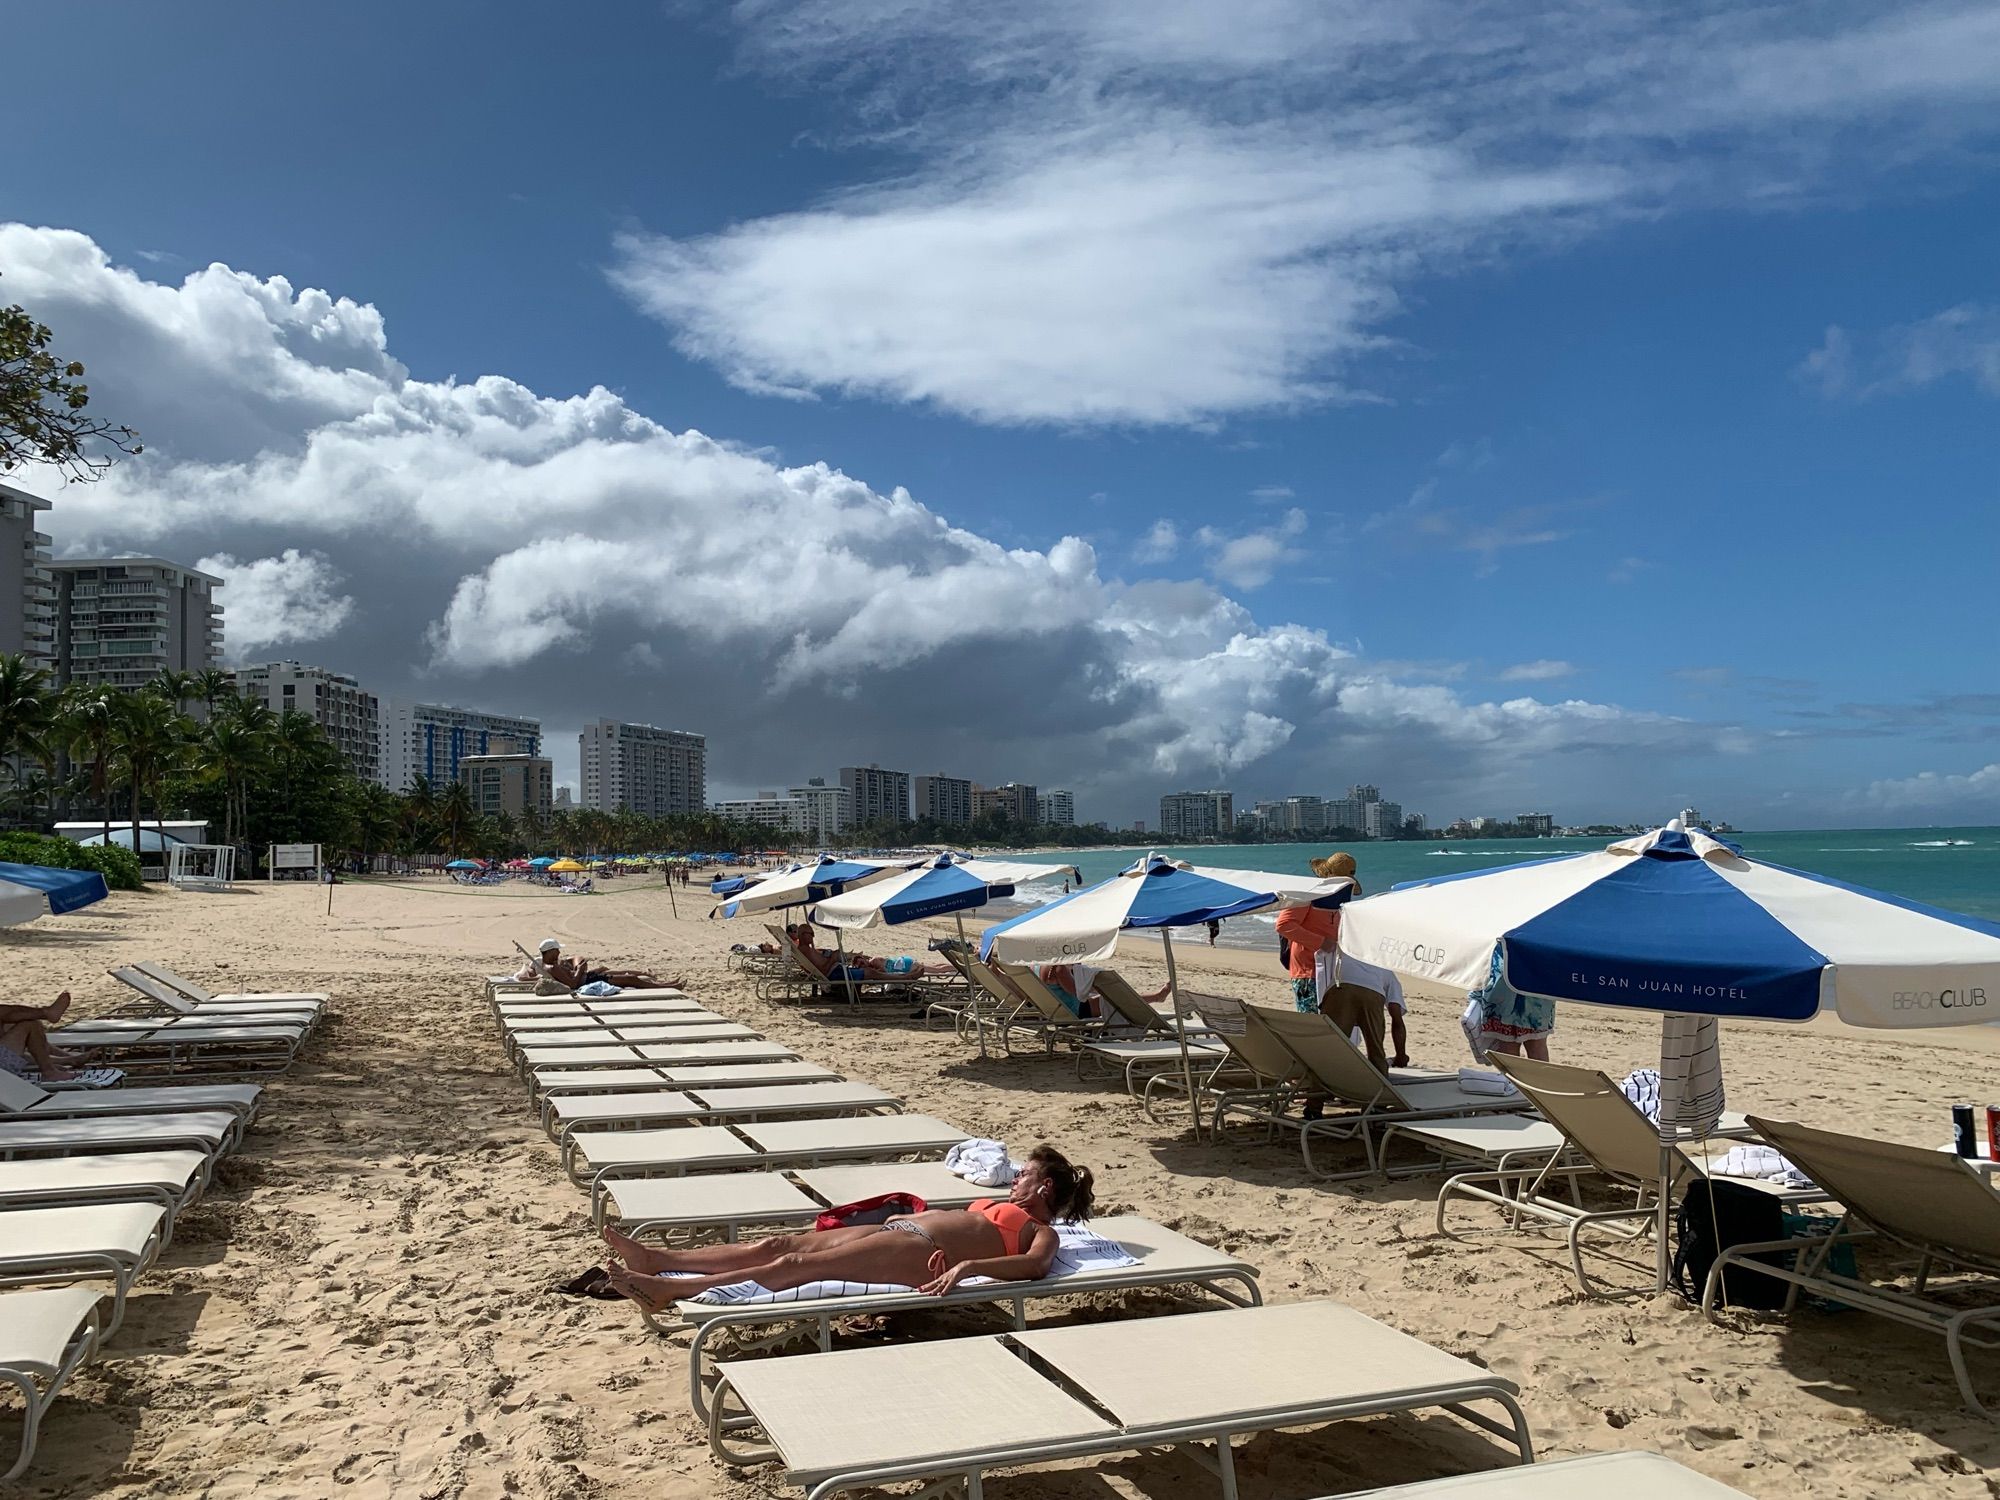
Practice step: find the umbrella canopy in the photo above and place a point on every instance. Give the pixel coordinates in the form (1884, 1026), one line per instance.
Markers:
(801, 884)
(30, 891)
(465, 864)
(541, 861)
(937, 887)
(1677, 920)
(563, 866)
(1083, 927)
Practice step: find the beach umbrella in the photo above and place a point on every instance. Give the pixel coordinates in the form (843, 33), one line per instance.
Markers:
(941, 886)
(1155, 892)
(1680, 922)
(30, 891)
(799, 885)
(465, 864)
(541, 861)
(564, 867)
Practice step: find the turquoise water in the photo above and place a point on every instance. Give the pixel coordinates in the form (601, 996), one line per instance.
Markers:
(1955, 868)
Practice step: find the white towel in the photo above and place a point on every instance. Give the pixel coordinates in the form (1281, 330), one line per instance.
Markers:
(1691, 1096)
(1763, 1163)
(1480, 1081)
(982, 1161)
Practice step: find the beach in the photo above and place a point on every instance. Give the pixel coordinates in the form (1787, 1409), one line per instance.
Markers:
(361, 1305)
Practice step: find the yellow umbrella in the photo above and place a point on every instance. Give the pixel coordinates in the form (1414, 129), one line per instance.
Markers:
(566, 867)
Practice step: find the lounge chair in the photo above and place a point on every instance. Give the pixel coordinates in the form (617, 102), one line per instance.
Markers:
(543, 1042)
(160, 996)
(547, 983)
(563, 1114)
(24, 1100)
(544, 1082)
(82, 1242)
(805, 981)
(1140, 1060)
(212, 1130)
(1609, 1139)
(640, 1054)
(1163, 1259)
(682, 1210)
(185, 1046)
(1259, 1076)
(1629, 1476)
(1042, 1013)
(171, 1179)
(44, 1335)
(201, 996)
(602, 1160)
(1135, 1011)
(1924, 1201)
(960, 1407)
(1366, 1099)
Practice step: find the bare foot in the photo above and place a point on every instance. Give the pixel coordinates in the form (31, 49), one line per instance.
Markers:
(54, 1012)
(640, 1258)
(57, 1073)
(650, 1292)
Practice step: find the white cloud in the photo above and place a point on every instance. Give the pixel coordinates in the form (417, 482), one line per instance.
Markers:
(571, 557)
(1249, 560)
(277, 601)
(1951, 796)
(1161, 542)
(1538, 671)
(1170, 211)
(1960, 341)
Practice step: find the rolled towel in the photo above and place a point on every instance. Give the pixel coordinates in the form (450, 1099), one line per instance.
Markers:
(1480, 1081)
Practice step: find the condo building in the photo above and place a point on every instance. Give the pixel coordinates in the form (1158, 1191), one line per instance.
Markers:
(121, 622)
(517, 785)
(27, 627)
(349, 714)
(1197, 815)
(876, 795)
(642, 768)
(431, 740)
(944, 799)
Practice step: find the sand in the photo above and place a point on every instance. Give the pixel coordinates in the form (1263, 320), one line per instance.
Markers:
(359, 1306)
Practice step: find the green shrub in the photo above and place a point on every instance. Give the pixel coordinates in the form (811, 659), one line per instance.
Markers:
(119, 867)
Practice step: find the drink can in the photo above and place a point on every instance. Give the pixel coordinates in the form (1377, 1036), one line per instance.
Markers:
(1963, 1141)
(1993, 1131)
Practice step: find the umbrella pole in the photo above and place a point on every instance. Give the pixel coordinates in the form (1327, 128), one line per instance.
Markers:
(672, 904)
(972, 995)
(1180, 1028)
(846, 974)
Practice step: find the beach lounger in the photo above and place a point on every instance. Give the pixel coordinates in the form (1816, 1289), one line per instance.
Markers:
(547, 984)
(171, 1179)
(183, 1046)
(1924, 1201)
(1140, 1060)
(675, 1209)
(82, 1242)
(960, 1407)
(1609, 1139)
(213, 1131)
(628, 1036)
(564, 1114)
(600, 1160)
(639, 1013)
(1259, 1077)
(804, 981)
(557, 1010)
(201, 996)
(626, 1055)
(22, 1099)
(1158, 1258)
(1628, 1476)
(44, 1335)
(1129, 1006)
(1365, 1100)
(544, 1082)
(160, 996)
(1039, 1013)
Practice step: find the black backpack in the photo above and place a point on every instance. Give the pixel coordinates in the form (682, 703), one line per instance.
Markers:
(1741, 1216)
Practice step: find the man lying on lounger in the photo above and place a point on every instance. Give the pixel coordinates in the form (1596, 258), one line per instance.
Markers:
(577, 972)
(932, 1251)
(861, 966)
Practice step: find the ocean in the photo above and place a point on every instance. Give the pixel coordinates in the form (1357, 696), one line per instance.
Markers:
(1955, 868)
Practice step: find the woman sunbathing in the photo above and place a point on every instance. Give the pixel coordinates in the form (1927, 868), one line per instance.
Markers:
(932, 1251)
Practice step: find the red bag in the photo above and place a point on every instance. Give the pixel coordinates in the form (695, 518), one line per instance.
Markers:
(877, 1210)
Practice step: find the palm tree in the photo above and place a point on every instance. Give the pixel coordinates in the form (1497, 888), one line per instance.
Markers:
(378, 815)
(456, 815)
(88, 721)
(211, 685)
(178, 688)
(27, 713)
(234, 748)
(147, 740)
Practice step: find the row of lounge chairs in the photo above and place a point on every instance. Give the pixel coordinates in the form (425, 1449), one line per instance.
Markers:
(92, 1182)
(958, 1408)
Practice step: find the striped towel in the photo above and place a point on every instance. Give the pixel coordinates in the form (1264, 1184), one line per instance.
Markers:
(1082, 1249)
(1691, 1095)
(88, 1078)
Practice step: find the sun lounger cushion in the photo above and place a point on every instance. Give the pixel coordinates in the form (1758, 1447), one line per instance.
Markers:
(1629, 1476)
(36, 1327)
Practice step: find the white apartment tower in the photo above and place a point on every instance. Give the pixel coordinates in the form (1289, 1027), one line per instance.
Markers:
(876, 795)
(829, 811)
(766, 810)
(1056, 809)
(642, 768)
(432, 739)
(122, 621)
(1197, 815)
(944, 799)
(27, 628)
(350, 715)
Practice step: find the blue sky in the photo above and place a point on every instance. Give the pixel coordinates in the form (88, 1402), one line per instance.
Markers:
(1564, 407)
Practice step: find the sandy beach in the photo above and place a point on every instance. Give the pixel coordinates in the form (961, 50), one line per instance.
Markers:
(361, 1306)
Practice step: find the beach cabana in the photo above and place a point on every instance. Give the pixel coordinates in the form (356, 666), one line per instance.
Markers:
(1157, 893)
(1682, 923)
(30, 891)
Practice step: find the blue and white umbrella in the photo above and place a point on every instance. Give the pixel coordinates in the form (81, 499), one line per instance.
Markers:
(30, 891)
(1159, 893)
(1678, 920)
(938, 887)
(800, 884)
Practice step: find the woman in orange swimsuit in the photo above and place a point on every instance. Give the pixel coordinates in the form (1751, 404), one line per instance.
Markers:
(932, 1251)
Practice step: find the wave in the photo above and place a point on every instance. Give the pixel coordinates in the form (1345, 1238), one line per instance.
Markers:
(1943, 844)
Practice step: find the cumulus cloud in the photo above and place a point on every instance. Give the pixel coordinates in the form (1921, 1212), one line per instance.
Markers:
(1537, 671)
(1161, 541)
(277, 601)
(570, 557)
(1949, 796)
(1959, 343)
(1171, 211)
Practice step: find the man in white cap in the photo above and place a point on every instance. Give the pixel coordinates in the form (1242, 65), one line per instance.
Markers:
(577, 972)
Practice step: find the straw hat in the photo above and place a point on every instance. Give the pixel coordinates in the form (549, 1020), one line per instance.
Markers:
(1340, 862)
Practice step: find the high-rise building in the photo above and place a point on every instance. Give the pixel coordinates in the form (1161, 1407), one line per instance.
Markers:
(829, 809)
(642, 768)
(944, 799)
(121, 622)
(1345, 812)
(430, 739)
(876, 795)
(517, 785)
(1539, 824)
(1197, 815)
(1382, 820)
(1056, 809)
(349, 714)
(1301, 814)
(27, 628)
(766, 810)
(1014, 801)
